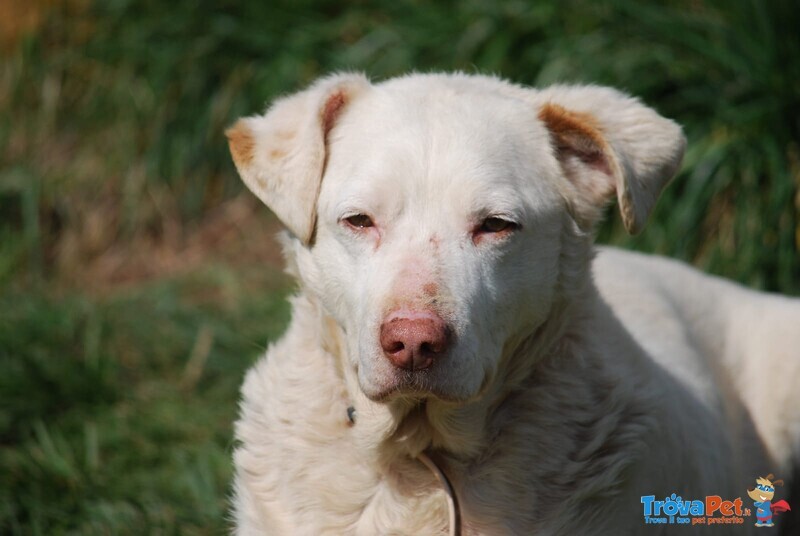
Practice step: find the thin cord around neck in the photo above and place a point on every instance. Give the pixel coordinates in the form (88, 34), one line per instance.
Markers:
(452, 500)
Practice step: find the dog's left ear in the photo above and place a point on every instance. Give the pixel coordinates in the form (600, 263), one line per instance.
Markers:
(607, 142)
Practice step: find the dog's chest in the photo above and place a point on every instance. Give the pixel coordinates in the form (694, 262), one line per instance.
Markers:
(299, 462)
(392, 511)
(332, 493)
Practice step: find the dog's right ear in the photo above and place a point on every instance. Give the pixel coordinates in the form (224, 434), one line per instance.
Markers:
(281, 155)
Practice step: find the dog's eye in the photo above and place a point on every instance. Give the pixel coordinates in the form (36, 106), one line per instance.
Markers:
(496, 225)
(359, 221)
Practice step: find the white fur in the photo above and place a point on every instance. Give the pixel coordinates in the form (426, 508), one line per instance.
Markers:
(571, 389)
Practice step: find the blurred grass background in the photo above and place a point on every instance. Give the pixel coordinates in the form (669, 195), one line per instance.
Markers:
(138, 279)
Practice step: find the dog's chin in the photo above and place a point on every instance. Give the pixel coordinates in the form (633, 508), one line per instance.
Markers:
(416, 385)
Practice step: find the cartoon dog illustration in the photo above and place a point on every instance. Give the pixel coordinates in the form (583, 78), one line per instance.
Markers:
(762, 496)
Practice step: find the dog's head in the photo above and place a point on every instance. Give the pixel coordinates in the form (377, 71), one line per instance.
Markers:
(428, 212)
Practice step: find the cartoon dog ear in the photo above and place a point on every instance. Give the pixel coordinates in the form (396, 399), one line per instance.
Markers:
(778, 482)
(281, 155)
(608, 142)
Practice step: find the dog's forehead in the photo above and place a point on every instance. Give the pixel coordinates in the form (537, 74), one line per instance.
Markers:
(436, 135)
(433, 110)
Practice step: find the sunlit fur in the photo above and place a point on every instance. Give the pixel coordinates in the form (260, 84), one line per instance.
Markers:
(573, 386)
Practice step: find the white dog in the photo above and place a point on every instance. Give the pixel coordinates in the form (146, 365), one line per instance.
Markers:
(450, 314)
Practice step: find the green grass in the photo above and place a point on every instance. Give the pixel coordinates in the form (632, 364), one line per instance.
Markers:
(116, 413)
(111, 147)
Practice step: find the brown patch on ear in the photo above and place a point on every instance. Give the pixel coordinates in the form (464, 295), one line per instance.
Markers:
(576, 134)
(241, 143)
(333, 106)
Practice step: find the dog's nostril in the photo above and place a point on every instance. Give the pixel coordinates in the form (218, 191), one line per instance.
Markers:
(396, 347)
(431, 348)
(438, 344)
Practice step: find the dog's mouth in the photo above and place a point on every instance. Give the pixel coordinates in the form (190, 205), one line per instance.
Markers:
(417, 385)
(410, 384)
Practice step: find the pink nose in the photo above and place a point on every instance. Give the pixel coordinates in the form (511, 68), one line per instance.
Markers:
(412, 341)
